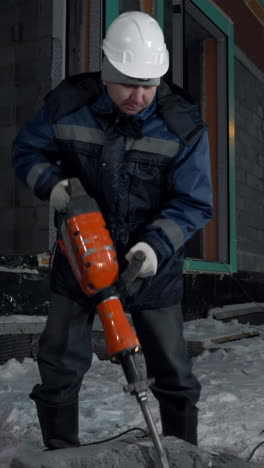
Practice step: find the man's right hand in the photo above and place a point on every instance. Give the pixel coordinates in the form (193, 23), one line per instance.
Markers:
(59, 197)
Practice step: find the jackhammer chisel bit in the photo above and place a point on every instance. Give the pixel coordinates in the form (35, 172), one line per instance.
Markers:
(138, 386)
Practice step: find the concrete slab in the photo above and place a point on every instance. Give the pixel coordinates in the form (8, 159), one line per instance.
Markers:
(128, 452)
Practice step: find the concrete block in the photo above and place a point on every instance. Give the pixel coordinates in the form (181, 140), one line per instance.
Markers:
(240, 122)
(245, 113)
(260, 136)
(254, 182)
(7, 114)
(246, 245)
(26, 11)
(40, 241)
(261, 211)
(7, 187)
(248, 261)
(45, 8)
(240, 175)
(7, 74)
(249, 193)
(257, 170)
(43, 67)
(252, 129)
(7, 55)
(8, 11)
(22, 325)
(241, 160)
(25, 71)
(25, 113)
(26, 51)
(26, 285)
(20, 237)
(31, 32)
(257, 120)
(7, 95)
(22, 213)
(128, 452)
(45, 26)
(26, 197)
(42, 214)
(8, 133)
(240, 204)
(28, 93)
(244, 138)
(45, 46)
(260, 159)
(261, 237)
(252, 233)
(252, 206)
(5, 32)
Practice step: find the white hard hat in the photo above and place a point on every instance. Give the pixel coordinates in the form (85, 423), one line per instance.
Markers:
(134, 44)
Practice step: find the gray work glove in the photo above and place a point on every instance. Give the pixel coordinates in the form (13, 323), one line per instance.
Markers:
(150, 264)
(59, 197)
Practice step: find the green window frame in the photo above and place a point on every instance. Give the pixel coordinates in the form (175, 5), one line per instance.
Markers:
(214, 14)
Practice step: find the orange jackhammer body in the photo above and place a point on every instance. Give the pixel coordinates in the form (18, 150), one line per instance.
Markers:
(87, 243)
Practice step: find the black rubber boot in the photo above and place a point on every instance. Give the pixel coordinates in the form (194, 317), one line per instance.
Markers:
(59, 424)
(180, 423)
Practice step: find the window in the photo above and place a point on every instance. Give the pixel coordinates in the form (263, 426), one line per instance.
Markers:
(206, 79)
(200, 41)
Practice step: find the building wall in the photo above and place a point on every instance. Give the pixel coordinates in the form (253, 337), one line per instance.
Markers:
(249, 117)
(25, 77)
(249, 32)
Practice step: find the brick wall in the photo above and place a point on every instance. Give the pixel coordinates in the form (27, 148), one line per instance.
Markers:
(249, 112)
(249, 32)
(25, 77)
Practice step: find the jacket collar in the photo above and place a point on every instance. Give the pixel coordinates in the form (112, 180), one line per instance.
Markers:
(104, 105)
(180, 112)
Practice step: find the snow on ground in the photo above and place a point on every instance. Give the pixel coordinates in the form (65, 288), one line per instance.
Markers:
(231, 405)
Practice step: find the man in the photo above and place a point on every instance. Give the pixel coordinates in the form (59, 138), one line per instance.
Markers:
(140, 148)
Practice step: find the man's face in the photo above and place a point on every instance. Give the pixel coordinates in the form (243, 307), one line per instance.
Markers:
(130, 99)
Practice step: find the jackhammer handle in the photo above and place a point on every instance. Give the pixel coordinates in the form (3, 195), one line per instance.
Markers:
(133, 268)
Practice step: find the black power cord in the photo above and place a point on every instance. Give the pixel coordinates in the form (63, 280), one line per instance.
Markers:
(254, 450)
(97, 442)
(109, 439)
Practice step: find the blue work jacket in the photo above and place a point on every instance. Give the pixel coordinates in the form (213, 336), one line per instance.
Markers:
(150, 172)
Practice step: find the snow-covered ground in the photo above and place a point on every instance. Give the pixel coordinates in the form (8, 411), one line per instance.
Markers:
(231, 405)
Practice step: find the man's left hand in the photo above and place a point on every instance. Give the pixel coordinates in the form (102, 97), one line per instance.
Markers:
(150, 265)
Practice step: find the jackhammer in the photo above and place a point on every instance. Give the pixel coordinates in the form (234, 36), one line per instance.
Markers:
(86, 242)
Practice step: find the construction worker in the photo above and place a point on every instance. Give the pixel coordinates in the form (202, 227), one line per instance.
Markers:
(139, 147)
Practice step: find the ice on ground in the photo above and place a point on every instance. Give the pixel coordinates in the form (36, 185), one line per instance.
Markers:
(230, 408)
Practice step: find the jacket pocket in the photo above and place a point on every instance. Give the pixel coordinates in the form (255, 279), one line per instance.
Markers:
(146, 190)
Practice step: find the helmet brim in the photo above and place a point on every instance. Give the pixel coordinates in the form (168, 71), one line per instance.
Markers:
(142, 72)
